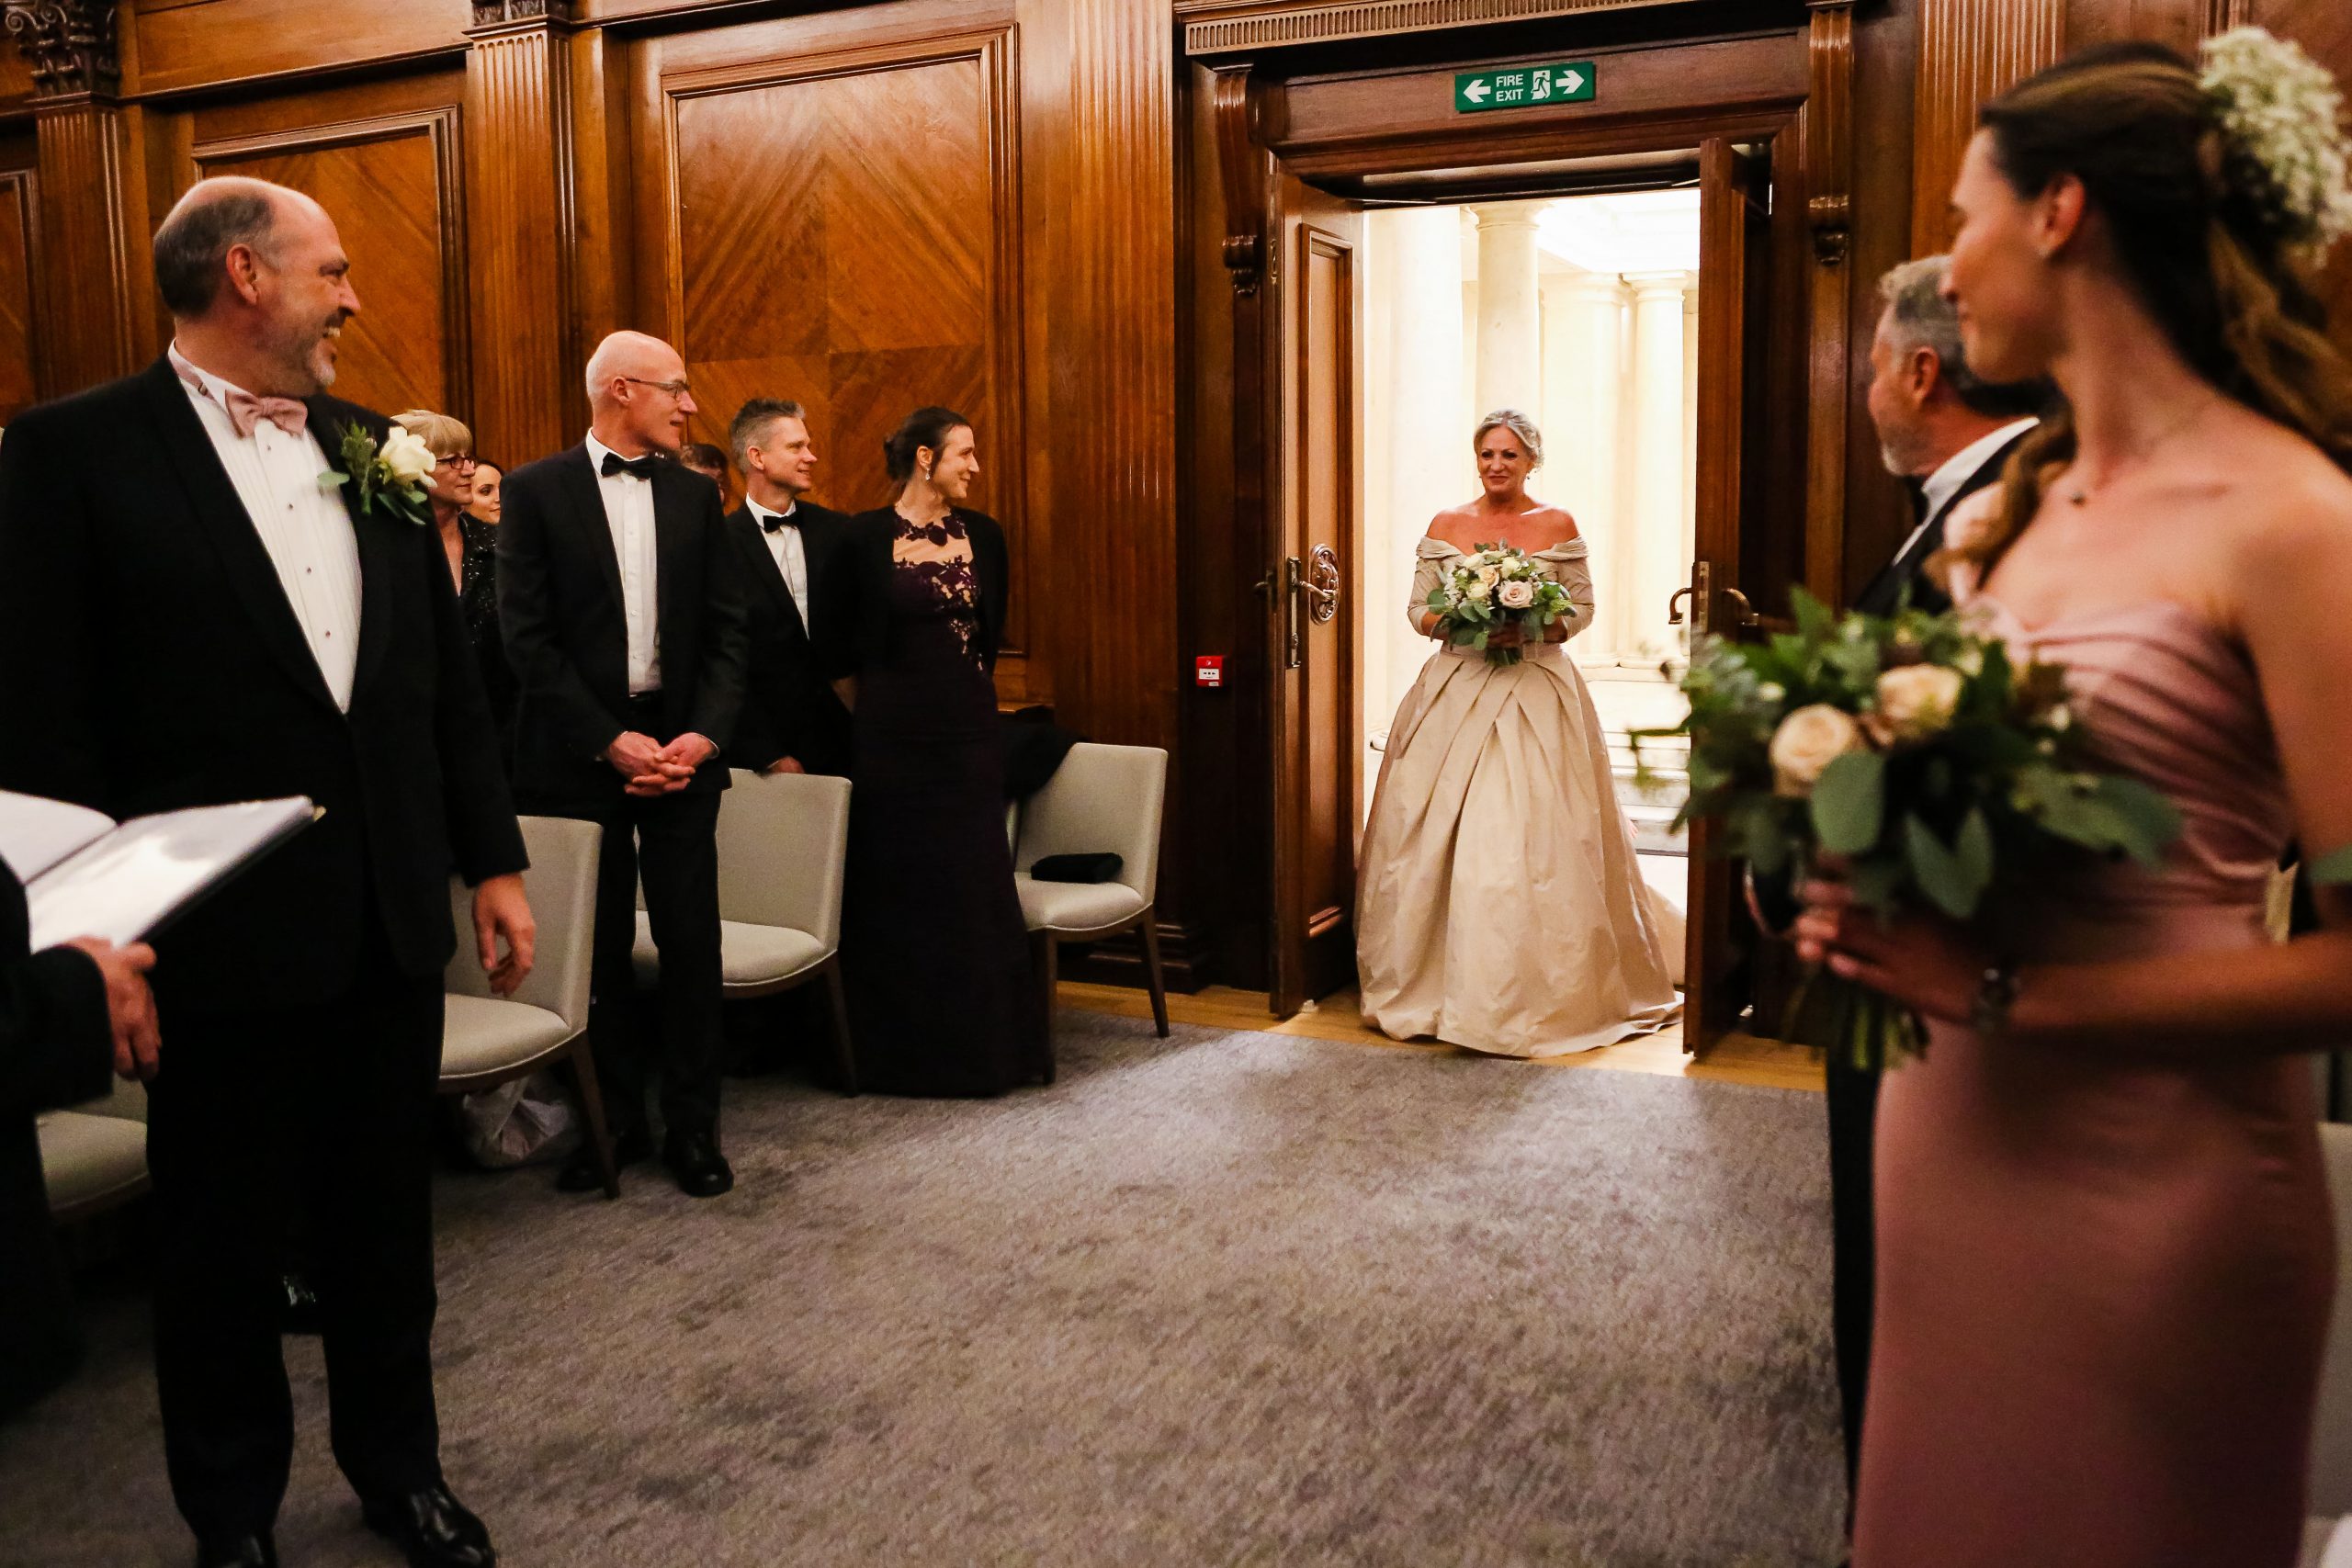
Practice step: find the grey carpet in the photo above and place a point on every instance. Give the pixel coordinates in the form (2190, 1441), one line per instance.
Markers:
(1232, 1298)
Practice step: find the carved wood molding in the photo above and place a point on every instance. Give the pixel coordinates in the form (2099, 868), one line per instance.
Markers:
(1969, 51)
(1238, 159)
(1223, 27)
(1829, 111)
(2220, 16)
(69, 43)
(498, 13)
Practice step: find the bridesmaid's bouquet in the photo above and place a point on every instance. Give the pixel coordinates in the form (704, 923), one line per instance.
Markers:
(1918, 752)
(1495, 586)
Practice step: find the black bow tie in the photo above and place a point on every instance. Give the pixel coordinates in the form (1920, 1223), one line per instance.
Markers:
(771, 520)
(641, 467)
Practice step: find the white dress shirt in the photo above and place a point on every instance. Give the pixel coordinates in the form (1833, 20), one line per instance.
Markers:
(300, 518)
(790, 551)
(628, 511)
(1958, 469)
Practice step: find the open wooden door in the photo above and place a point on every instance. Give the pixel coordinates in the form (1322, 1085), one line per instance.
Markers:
(1313, 305)
(1733, 256)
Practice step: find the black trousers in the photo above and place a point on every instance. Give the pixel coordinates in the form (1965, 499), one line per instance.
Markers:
(672, 840)
(1853, 1124)
(332, 1103)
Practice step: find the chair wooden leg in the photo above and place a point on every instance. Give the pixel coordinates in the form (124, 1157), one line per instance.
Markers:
(591, 1100)
(844, 1057)
(1150, 927)
(1049, 967)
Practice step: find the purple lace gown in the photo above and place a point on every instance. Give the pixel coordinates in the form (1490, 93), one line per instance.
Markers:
(942, 993)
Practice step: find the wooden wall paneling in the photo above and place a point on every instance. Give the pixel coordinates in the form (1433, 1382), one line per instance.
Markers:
(212, 43)
(1114, 369)
(1829, 163)
(94, 250)
(1220, 815)
(843, 228)
(1969, 49)
(1886, 44)
(2324, 29)
(528, 395)
(2177, 24)
(395, 189)
(603, 212)
(20, 377)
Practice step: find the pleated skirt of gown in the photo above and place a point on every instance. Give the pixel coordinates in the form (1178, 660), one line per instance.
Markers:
(1500, 904)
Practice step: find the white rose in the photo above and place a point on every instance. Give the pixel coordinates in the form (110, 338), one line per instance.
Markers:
(1515, 595)
(1917, 700)
(1771, 692)
(1478, 592)
(1489, 575)
(408, 457)
(1807, 741)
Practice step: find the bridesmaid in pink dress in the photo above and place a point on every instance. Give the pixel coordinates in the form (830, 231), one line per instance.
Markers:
(2104, 1248)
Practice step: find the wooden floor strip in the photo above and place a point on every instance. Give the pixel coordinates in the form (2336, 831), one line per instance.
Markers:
(1739, 1058)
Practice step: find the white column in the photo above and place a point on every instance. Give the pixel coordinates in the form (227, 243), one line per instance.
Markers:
(1584, 396)
(1690, 417)
(1510, 354)
(1657, 485)
(1417, 434)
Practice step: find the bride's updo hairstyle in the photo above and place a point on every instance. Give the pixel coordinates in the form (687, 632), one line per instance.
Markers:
(1529, 438)
(2220, 203)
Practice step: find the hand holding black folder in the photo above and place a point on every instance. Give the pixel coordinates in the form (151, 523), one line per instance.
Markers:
(87, 875)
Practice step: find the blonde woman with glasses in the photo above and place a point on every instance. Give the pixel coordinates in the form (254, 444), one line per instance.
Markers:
(470, 544)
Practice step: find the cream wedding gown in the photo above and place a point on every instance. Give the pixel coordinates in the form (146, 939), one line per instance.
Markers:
(1500, 906)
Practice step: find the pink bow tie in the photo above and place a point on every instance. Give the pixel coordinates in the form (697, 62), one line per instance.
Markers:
(246, 411)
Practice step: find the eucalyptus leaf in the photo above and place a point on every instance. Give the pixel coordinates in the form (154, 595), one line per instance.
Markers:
(2331, 869)
(1939, 872)
(1849, 803)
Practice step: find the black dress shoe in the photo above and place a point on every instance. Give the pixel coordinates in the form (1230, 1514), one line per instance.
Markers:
(581, 1173)
(299, 1312)
(694, 1158)
(237, 1551)
(432, 1527)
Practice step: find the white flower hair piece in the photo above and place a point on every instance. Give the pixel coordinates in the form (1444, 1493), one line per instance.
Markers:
(2281, 113)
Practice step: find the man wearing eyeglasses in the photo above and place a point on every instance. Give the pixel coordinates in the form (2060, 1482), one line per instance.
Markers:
(625, 626)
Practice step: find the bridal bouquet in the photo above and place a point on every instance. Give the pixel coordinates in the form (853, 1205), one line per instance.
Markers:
(1496, 585)
(1917, 752)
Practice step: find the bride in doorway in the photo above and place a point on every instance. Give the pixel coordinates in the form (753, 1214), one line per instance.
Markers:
(1500, 906)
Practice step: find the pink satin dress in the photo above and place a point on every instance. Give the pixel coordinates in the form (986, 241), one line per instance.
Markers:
(2104, 1278)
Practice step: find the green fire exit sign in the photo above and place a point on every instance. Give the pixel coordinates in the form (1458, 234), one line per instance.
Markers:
(1523, 86)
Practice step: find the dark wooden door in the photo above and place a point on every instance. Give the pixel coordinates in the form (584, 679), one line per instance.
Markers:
(1733, 237)
(1314, 285)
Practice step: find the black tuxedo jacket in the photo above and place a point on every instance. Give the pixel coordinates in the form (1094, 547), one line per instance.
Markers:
(1885, 592)
(566, 626)
(855, 626)
(789, 709)
(153, 662)
(56, 1048)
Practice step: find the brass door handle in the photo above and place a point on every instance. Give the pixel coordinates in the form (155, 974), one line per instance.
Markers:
(1746, 615)
(1323, 584)
(1674, 607)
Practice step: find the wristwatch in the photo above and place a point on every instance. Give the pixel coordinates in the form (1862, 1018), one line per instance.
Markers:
(1996, 992)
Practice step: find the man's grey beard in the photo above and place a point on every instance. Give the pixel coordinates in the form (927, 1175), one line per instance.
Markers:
(301, 355)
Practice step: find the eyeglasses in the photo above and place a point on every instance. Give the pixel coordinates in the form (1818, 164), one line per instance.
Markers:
(675, 388)
(464, 462)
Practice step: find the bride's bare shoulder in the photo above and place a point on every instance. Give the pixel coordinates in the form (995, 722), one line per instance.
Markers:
(1556, 522)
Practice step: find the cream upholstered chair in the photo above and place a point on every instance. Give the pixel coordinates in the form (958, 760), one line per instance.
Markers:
(487, 1041)
(94, 1155)
(782, 841)
(1101, 800)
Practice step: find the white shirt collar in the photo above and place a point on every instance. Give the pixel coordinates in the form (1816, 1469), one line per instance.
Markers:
(759, 511)
(216, 388)
(1962, 465)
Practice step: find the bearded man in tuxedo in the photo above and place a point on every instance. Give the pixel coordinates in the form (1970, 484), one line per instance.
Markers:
(1950, 433)
(197, 606)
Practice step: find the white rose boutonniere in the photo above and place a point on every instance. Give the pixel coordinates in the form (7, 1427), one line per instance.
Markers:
(389, 477)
